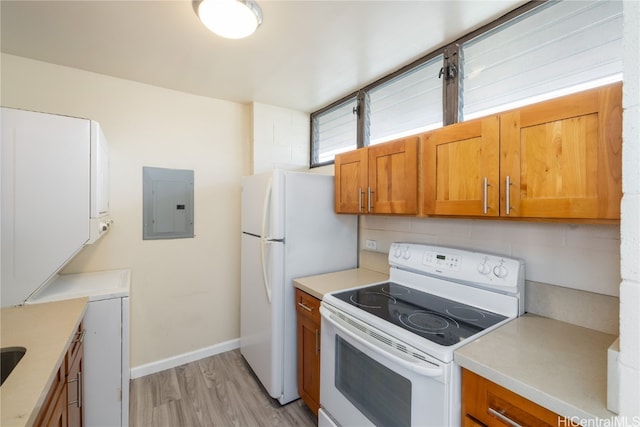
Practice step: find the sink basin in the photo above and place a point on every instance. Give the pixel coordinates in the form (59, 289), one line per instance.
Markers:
(9, 358)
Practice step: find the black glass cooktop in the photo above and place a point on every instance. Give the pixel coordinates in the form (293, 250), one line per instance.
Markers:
(437, 319)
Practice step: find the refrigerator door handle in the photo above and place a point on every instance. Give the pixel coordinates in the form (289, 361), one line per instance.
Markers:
(263, 240)
(267, 285)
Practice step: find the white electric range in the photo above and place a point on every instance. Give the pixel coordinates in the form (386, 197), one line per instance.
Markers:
(387, 348)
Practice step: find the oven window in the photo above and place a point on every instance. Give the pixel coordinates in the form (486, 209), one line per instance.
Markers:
(379, 393)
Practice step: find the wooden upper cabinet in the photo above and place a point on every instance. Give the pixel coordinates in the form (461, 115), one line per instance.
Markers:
(563, 157)
(460, 165)
(393, 177)
(350, 181)
(558, 159)
(380, 179)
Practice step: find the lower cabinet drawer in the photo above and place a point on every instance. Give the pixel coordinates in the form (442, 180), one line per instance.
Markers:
(485, 403)
(307, 305)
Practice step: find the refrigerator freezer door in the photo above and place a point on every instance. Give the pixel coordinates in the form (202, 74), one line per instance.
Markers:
(261, 321)
(317, 239)
(262, 205)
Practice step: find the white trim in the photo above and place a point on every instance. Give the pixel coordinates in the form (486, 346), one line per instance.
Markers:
(181, 359)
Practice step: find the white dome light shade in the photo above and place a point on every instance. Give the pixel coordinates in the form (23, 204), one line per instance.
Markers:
(233, 19)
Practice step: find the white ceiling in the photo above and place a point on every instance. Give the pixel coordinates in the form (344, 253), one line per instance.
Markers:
(305, 55)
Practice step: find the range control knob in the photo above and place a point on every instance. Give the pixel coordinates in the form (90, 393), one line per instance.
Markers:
(407, 253)
(398, 252)
(500, 271)
(484, 268)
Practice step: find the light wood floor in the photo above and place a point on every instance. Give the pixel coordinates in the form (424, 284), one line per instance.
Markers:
(220, 391)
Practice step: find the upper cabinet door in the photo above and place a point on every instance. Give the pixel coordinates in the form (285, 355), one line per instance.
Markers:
(45, 197)
(393, 177)
(562, 157)
(460, 165)
(350, 181)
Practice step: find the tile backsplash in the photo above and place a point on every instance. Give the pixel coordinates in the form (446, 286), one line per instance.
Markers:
(572, 271)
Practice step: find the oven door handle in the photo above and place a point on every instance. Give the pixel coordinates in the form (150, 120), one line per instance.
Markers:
(416, 367)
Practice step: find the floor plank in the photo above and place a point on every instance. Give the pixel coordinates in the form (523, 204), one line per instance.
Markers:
(219, 390)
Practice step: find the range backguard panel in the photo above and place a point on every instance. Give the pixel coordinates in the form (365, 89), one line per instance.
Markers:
(167, 203)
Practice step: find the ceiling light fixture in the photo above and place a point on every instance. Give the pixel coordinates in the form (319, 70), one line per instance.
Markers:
(233, 19)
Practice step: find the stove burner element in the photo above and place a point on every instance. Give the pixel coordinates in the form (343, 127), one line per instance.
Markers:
(466, 313)
(397, 291)
(439, 320)
(427, 322)
(372, 299)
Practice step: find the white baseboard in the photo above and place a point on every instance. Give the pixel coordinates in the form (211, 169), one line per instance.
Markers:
(181, 359)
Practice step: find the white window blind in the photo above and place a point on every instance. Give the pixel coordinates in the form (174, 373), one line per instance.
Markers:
(334, 132)
(558, 48)
(408, 104)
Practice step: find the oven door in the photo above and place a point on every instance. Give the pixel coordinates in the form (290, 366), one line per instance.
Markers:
(368, 378)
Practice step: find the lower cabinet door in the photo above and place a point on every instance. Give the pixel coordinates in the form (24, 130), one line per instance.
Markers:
(308, 312)
(74, 392)
(58, 416)
(309, 362)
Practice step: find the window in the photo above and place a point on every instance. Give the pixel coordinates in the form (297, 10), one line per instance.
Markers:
(407, 104)
(538, 51)
(333, 131)
(555, 49)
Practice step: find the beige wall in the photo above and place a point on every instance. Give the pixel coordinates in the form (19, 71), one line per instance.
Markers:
(184, 292)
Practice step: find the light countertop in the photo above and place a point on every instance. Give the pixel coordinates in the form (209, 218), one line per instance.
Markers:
(321, 284)
(46, 331)
(96, 286)
(557, 365)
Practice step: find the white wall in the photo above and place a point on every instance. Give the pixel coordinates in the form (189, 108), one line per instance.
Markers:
(629, 363)
(184, 292)
(280, 139)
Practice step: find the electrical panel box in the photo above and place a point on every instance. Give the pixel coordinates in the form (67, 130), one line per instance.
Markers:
(167, 203)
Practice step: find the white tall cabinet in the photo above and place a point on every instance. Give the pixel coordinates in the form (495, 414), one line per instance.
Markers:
(47, 205)
(106, 341)
(45, 180)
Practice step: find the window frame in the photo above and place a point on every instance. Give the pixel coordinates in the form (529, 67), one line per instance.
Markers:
(451, 92)
(328, 108)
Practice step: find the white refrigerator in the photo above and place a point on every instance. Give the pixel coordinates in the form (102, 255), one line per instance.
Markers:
(289, 230)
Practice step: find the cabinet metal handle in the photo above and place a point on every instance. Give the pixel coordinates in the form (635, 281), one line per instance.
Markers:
(317, 341)
(503, 417)
(78, 382)
(508, 195)
(306, 307)
(485, 195)
(360, 207)
(79, 337)
(369, 204)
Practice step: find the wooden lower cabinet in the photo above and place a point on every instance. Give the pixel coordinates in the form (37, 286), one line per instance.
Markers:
(485, 403)
(308, 313)
(54, 411)
(63, 404)
(75, 384)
